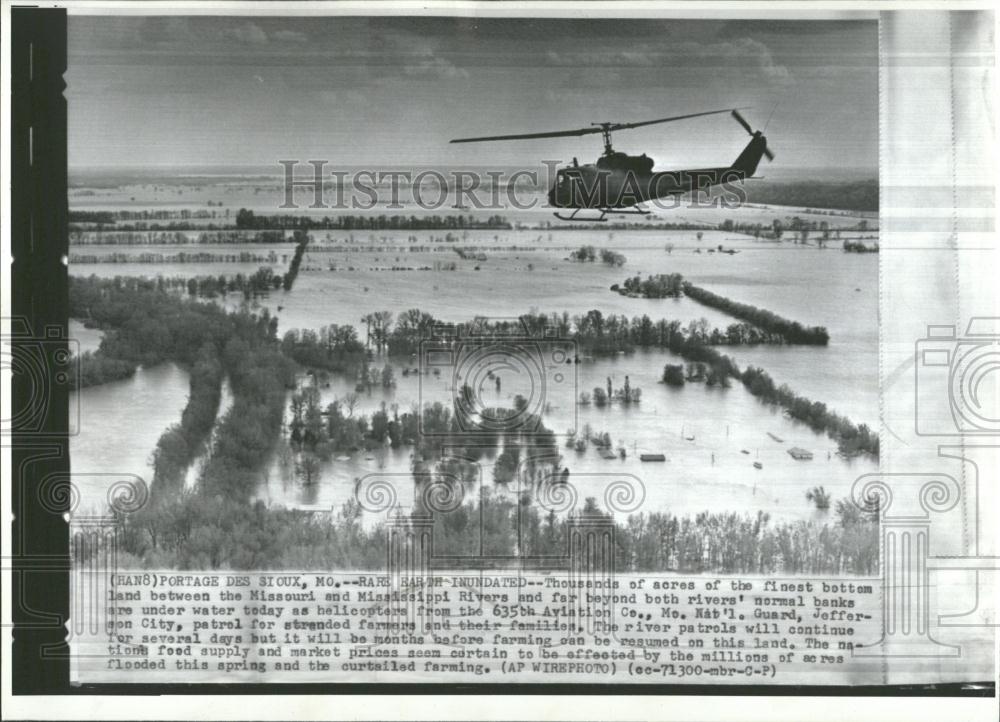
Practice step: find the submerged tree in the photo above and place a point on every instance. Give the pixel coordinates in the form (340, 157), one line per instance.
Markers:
(820, 497)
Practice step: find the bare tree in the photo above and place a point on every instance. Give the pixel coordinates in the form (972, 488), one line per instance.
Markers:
(307, 468)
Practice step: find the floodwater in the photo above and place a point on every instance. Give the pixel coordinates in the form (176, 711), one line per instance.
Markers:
(120, 423)
(339, 283)
(711, 438)
(85, 339)
(346, 275)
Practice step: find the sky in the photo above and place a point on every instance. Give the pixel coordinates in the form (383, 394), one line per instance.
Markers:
(215, 91)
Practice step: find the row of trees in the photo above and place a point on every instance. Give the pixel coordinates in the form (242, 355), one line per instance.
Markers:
(860, 247)
(218, 533)
(732, 543)
(791, 331)
(154, 257)
(200, 532)
(129, 238)
(180, 444)
(707, 364)
(727, 543)
(301, 239)
(173, 238)
(259, 283)
(247, 219)
(850, 438)
(593, 331)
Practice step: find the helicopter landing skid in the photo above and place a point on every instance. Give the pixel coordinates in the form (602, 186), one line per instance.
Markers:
(604, 212)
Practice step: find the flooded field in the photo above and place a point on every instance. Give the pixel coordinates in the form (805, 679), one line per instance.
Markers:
(339, 283)
(120, 423)
(710, 437)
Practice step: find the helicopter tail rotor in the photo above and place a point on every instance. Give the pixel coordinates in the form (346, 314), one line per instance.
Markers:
(749, 129)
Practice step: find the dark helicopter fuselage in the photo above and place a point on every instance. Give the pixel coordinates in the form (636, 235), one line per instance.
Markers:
(619, 180)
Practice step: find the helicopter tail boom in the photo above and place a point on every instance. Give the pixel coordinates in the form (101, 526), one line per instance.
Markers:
(747, 161)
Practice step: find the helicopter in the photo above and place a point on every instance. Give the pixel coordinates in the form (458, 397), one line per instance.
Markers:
(617, 183)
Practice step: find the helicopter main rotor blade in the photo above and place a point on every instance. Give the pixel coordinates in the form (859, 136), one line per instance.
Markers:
(625, 126)
(529, 136)
(595, 128)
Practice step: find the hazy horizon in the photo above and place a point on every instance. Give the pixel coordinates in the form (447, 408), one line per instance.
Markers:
(80, 176)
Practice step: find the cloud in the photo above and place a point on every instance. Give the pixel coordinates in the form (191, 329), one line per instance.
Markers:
(751, 52)
(724, 56)
(475, 31)
(435, 67)
(594, 58)
(132, 32)
(249, 33)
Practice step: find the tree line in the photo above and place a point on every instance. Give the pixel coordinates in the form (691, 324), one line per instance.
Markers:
(247, 219)
(180, 444)
(173, 238)
(860, 247)
(851, 438)
(216, 533)
(301, 239)
(774, 328)
(792, 331)
(259, 283)
(201, 532)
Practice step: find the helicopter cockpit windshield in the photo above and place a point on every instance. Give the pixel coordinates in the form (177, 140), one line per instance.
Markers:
(562, 190)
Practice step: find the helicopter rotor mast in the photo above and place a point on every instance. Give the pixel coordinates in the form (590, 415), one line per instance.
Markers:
(606, 133)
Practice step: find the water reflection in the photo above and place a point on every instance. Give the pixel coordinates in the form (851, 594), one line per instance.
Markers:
(712, 440)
